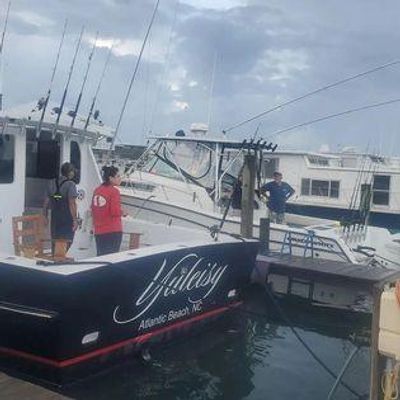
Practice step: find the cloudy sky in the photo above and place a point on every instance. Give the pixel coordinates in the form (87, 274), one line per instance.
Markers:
(221, 61)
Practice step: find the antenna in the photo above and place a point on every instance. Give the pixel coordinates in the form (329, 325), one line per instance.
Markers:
(319, 90)
(99, 86)
(44, 102)
(1, 54)
(75, 112)
(211, 90)
(134, 75)
(60, 110)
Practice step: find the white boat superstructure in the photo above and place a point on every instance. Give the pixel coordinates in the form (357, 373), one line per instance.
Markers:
(344, 186)
(187, 181)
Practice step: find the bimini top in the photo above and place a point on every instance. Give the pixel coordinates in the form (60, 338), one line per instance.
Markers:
(30, 114)
(246, 144)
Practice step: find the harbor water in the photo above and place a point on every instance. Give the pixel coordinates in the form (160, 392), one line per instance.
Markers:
(262, 352)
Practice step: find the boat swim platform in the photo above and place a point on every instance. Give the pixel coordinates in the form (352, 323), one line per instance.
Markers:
(12, 388)
(324, 283)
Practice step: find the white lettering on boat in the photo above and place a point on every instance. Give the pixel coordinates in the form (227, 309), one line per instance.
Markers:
(192, 274)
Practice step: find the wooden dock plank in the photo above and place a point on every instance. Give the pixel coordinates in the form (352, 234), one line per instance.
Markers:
(16, 389)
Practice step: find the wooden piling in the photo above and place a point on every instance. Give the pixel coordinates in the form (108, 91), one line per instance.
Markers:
(264, 235)
(249, 176)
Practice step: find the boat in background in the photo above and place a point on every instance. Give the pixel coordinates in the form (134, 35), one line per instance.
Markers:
(186, 180)
(346, 186)
(64, 316)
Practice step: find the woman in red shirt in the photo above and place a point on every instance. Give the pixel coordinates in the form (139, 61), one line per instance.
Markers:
(107, 212)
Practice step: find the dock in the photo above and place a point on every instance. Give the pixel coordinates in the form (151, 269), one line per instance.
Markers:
(16, 389)
(323, 282)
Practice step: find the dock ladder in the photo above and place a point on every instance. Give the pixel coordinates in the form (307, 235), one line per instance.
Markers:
(308, 244)
(287, 244)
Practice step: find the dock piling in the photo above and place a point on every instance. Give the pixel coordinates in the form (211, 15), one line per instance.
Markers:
(264, 235)
(249, 176)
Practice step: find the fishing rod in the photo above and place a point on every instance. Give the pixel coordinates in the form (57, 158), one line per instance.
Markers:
(339, 114)
(3, 36)
(326, 87)
(5, 27)
(98, 86)
(167, 63)
(42, 104)
(60, 110)
(78, 102)
(133, 76)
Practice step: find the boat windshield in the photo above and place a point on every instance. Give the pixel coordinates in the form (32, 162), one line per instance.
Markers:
(178, 160)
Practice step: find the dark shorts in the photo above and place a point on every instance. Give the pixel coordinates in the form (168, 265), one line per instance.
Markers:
(61, 227)
(108, 243)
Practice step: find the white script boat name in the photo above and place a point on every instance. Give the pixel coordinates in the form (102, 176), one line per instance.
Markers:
(192, 274)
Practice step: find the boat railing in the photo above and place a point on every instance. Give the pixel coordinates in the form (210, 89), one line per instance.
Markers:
(167, 191)
(308, 243)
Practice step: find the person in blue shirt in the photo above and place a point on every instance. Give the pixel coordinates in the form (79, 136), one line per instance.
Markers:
(279, 193)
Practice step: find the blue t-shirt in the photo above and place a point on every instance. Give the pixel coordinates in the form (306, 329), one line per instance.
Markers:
(278, 194)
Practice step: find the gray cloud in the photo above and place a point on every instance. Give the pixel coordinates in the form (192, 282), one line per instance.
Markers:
(266, 54)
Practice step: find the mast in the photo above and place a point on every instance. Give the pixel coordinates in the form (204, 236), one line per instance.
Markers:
(78, 102)
(44, 103)
(1, 53)
(133, 76)
(60, 110)
(99, 86)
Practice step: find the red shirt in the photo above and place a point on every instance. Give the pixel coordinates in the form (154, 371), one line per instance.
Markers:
(106, 210)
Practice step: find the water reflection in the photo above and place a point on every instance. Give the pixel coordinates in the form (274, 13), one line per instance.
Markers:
(255, 355)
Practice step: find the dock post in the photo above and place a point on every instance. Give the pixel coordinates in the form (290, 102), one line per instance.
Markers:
(249, 176)
(264, 235)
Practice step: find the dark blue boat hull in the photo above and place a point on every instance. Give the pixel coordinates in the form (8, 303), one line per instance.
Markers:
(60, 321)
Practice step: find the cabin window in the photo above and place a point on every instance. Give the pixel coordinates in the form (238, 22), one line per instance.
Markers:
(145, 187)
(76, 160)
(381, 189)
(310, 187)
(320, 188)
(305, 187)
(270, 166)
(42, 156)
(6, 158)
(318, 160)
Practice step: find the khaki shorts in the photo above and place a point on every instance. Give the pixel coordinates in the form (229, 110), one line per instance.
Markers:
(277, 218)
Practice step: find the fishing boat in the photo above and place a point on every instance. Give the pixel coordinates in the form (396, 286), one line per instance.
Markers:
(59, 315)
(187, 179)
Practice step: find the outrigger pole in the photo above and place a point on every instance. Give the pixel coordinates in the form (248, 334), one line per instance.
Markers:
(44, 102)
(1, 53)
(98, 86)
(60, 110)
(75, 112)
(133, 76)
